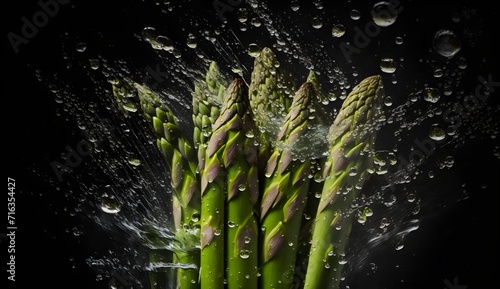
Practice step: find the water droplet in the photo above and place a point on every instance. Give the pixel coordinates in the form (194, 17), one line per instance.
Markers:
(353, 171)
(431, 94)
(247, 240)
(195, 217)
(368, 212)
(290, 244)
(382, 159)
(449, 161)
(295, 5)
(254, 50)
(165, 43)
(133, 160)
(231, 224)
(177, 53)
(256, 22)
(236, 69)
(130, 107)
(388, 101)
(250, 134)
(451, 130)
(437, 132)
(411, 198)
(149, 34)
(191, 41)
(94, 63)
(81, 46)
(245, 254)
(430, 174)
(398, 40)
(462, 63)
(389, 202)
(382, 14)
(217, 232)
(338, 30)
(362, 219)
(109, 204)
(416, 210)
(254, 3)
(317, 23)
(388, 65)
(384, 223)
(438, 72)
(355, 14)
(446, 43)
(76, 231)
(399, 246)
(342, 259)
(242, 15)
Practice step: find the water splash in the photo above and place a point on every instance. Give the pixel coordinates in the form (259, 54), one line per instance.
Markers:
(138, 206)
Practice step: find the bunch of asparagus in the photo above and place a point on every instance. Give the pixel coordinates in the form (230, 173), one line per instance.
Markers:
(241, 183)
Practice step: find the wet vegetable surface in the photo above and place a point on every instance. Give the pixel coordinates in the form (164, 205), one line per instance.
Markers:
(88, 221)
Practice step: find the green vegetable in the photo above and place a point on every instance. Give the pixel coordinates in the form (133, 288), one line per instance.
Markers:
(230, 174)
(285, 193)
(270, 98)
(240, 160)
(207, 99)
(255, 168)
(181, 159)
(352, 137)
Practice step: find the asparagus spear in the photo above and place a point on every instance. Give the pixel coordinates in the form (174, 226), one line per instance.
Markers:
(231, 164)
(285, 193)
(207, 100)
(316, 184)
(240, 160)
(352, 137)
(181, 160)
(269, 100)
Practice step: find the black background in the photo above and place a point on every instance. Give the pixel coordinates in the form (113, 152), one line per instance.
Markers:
(455, 239)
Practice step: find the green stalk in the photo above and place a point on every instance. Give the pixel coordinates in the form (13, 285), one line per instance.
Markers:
(285, 193)
(270, 100)
(352, 137)
(229, 167)
(181, 160)
(240, 160)
(207, 100)
(315, 184)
